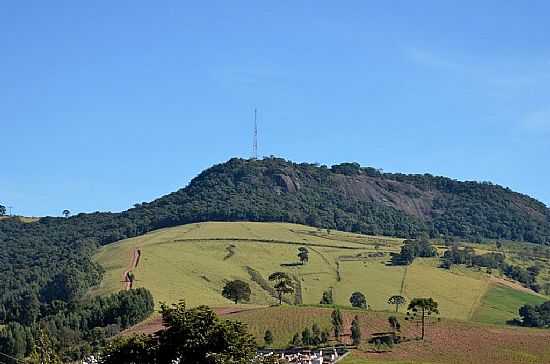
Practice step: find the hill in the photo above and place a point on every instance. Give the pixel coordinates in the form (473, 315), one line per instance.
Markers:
(51, 260)
(194, 261)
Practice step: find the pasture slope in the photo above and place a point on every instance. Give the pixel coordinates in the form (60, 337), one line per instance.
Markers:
(194, 261)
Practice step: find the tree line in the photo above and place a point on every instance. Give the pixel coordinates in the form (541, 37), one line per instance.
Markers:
(77, 329)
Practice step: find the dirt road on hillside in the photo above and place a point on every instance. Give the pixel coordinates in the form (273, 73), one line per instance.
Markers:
(128, 283)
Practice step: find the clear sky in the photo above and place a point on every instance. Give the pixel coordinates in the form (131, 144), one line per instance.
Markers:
(104, 104)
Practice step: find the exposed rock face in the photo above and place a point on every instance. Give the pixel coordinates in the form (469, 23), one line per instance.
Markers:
(399, 195)
(287, 183)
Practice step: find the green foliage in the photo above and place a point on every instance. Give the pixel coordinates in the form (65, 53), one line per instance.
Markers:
(44, 351)
(296, 340)
(467, 255)
(307, 338)
(303, 254)
(268, 338)
(358, 300)
(535, 315)
(412, 249)
(337, 323)
(236, 291)
(421, 308)
(283, 284)
(69, 326)
(355, 331)
(316, 334)
(16, 340)
(327, 298)
(526, 276)
(397, 300)
(2, 210)
(136, 349)
(193, 335)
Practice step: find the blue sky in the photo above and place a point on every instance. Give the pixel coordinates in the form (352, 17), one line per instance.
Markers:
(108, 103)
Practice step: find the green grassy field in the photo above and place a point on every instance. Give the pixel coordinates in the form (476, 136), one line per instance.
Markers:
(500, 304)
(194, 262)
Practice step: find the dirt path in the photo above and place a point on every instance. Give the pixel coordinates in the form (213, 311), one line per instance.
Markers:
(135, 255)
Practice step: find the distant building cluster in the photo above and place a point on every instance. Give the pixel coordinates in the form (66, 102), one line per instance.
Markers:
(307, 356)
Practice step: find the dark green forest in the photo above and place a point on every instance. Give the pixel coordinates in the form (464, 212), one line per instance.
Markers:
(49, 261)
(77, 329)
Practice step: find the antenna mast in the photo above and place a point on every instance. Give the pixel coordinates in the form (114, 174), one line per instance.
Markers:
(255, 143)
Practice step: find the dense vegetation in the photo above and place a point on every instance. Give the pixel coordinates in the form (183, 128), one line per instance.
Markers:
(193, 335)
(50, 260)
(535, 315)
(412, 249)
(467, 255)
(77, 330)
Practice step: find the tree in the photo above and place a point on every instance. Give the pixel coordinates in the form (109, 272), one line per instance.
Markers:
(424, 307)
(303, 254)
(325, 335)
(397, 300)
(355, 331)
(198, 336)
(268, 338)
(316, 334)
(66, 213)
(296, 341)
(358, 300)
(2, 210)
(327, 297)
(283, 284)
(236, 291)
(44, 351)
(394, 323)
(307, 339)
(136, 349)
(337, 323)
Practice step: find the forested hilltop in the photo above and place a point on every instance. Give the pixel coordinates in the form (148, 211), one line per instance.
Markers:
(48, 261)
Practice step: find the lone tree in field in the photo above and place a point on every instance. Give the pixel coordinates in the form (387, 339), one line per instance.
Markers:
(66, 213)
(283, 284)
(421, 308)
(268, 338)
(327, 297)
(358, 300)
(303, 254)
(236, 291)
(337, 323)
(2, 210)
(355, 331)
(397, 300)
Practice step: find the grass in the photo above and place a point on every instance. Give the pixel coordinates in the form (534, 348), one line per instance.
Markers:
(25, 219)
(448, 341)
(501, 304)
(192, 262)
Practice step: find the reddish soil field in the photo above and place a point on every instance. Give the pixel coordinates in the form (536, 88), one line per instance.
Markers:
(447, 341)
